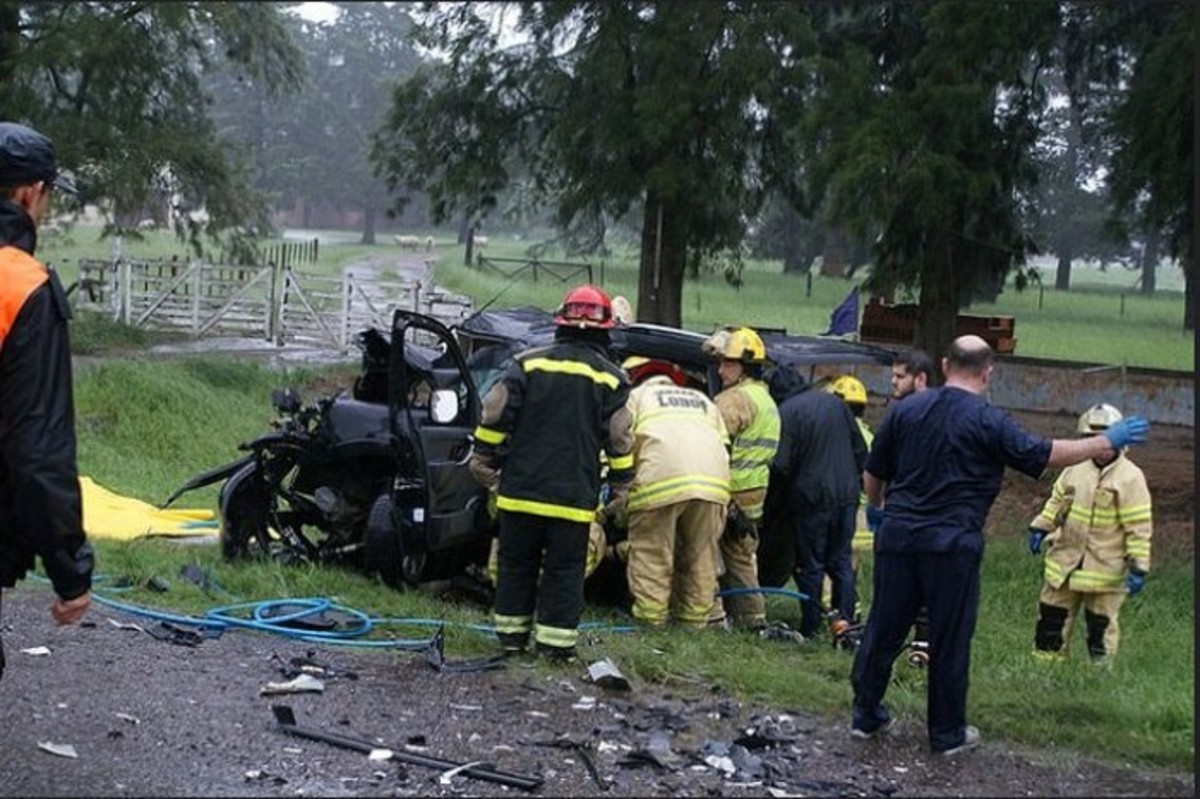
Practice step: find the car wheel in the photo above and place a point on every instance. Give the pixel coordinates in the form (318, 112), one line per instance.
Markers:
(382, 550)
(245, 506)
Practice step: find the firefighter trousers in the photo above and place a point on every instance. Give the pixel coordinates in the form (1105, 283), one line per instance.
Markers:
(1058, 608)
(740, 558)
(672, 567)
(948, 584)
(555, 549)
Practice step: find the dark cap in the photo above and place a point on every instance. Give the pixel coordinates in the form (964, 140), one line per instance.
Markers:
(27, 156)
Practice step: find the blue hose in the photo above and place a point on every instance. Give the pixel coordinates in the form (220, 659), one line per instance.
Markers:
(763, 590)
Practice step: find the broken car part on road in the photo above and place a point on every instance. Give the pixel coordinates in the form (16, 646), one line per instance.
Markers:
(286, 719)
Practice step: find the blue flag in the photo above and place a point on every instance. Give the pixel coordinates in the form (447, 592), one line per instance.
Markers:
(844, 318)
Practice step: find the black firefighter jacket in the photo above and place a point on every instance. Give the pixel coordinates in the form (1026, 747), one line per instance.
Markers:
(821, 452)
(40, 505)
(551, 414)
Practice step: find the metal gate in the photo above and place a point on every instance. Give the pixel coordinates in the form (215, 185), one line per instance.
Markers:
(275, 303)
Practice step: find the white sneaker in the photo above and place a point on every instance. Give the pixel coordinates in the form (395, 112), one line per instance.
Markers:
(864, 735)
(971, 739)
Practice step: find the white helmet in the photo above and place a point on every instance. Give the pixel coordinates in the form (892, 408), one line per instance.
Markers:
(1097, 419)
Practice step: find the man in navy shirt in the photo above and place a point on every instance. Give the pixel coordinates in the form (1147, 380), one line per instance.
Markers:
(936, 467)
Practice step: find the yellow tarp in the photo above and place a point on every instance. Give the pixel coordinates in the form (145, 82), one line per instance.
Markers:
(109, 515)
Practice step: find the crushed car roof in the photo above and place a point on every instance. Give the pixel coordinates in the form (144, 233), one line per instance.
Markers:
(528, 325)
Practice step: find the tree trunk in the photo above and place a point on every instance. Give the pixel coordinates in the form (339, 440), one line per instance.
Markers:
(1150, 264)
(937, 309)
(833, 261)
(469, 240)
(368, 236)
(1062, 277)
(465, 231)
(663, 256)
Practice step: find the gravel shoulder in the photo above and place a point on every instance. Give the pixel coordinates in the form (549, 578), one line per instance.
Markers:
(150, 718)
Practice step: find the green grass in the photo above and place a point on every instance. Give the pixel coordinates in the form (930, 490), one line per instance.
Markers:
(146, 426)
(1103, 319)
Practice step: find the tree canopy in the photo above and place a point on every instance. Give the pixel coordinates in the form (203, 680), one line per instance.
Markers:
(911, 124)
(117, 86)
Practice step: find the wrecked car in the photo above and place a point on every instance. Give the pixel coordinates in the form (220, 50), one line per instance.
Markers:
(376, 478)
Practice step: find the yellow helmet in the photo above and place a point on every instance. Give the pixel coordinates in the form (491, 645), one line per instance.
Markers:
(1097, 419)
(849, 388)
(736, 344)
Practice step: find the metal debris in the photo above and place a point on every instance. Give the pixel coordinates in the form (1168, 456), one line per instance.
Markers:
(605, 674)
(62, 750)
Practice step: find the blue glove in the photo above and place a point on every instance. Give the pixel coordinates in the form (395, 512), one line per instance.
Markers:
(1035, 540)
(1130, 430)
(1134, 583)
(874, 517)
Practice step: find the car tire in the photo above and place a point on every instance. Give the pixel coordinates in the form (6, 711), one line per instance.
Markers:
(244, 506)
(382, 552)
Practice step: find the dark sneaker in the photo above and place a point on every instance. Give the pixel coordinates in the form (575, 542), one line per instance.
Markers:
(971, 739)
(864, 734)
(868, 725)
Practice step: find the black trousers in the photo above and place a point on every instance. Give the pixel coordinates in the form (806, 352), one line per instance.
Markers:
(823, 539)
(947, 583)
(541, 568)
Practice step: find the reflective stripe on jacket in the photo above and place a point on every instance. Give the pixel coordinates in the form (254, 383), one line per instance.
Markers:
(752, 420)
(679, 446)
(1101, 525)
(550, 415)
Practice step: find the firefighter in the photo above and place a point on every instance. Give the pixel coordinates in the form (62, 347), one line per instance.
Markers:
(752, 419)
(852, 392)
(1096, 528)
(543, 426)
(677, 500)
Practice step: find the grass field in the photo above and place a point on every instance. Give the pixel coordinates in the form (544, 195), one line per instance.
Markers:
(1102, 319)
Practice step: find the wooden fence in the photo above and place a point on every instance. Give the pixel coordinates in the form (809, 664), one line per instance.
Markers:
(276, 303)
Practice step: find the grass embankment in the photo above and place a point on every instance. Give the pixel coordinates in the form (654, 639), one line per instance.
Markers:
(145, 427)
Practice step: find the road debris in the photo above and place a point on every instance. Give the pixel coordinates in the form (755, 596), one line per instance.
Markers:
(286, 719)
(605, 674)
(134, 720)
(311, 666)
(36, 650)
(435, 656)
(62, 750)
(304, 683)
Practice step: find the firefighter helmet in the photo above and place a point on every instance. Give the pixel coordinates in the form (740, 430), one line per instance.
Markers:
(736, 344)
(642, 368)
(1097, 419)
(587, 307)
(849, 388)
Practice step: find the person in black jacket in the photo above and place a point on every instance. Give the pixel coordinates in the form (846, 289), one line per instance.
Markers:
(41, 513)
(543, 426)
(819, 462)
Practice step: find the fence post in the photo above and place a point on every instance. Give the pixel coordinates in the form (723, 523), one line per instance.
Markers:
(197, 287)
(347, 290)
(126, 291)
(1122, 304)
(316, 244)
(533, 265)
(808, 283)
(1041, 293)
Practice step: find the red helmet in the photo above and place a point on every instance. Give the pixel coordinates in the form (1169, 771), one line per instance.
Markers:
(586, 306)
